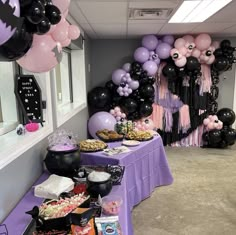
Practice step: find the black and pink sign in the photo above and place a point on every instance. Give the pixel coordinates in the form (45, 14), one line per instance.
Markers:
(29, 96)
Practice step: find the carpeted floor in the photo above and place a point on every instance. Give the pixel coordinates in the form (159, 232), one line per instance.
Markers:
(201, 201)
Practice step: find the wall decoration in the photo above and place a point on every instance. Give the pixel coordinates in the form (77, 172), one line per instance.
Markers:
(28, 94)
(171, 86)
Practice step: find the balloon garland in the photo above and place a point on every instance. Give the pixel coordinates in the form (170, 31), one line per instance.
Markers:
(190, 66)
(38, 31)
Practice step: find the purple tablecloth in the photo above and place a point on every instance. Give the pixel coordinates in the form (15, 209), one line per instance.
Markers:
(146, 167)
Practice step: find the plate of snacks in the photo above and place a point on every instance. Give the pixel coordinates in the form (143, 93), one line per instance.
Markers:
(92, 145)
(139, 135)
(109, 135)
(131, 143)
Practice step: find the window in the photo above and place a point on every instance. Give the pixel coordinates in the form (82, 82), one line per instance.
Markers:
(70, 85)
(64, 80)
(8, 110)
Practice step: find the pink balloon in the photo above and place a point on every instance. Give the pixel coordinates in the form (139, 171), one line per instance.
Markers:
(43, 55)
(65, 13)
(60, 34)
(180, 42)
(188, 38)
(66, 43)
(206, 121)
(117, 109)
(210, 126)
(73, 32)
(181, 62)
(203, 41)
(52, 29)
(211, 59)
(196, 53)
(63, 5)
(118, 114)
(216, 44)
(112, 112)
(182, 50)
(220, 125)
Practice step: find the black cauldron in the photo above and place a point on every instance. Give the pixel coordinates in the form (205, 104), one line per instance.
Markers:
(63, 163)
(95, 188)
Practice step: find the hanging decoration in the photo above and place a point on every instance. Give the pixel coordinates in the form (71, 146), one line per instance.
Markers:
(34, 32)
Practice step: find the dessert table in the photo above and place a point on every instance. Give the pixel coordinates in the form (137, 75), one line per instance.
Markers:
(146, 168)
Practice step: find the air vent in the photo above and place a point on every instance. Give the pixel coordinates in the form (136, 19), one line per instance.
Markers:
(150, 14)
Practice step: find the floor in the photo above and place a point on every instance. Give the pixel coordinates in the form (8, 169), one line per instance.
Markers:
(201, 201)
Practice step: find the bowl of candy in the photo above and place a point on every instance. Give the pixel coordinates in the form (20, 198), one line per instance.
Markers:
(99, 183)
(111, 205)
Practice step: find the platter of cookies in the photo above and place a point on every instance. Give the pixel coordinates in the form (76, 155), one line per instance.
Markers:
(109, 135)
(139, 135)
(91, 145)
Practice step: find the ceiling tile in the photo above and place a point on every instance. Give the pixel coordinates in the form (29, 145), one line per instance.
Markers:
(211, 27)
(76, 13)
(227, 14)
(230, 30)
(177, 28)
(89, 30)
(154, 3)
(110, 30)
(103, 12)
(141, 29)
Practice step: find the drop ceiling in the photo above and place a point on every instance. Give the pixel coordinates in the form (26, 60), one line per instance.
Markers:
(102, 19)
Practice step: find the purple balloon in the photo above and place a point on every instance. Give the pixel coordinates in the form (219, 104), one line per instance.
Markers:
(130, 91)
(134, 85)
(150, 42)
(99, 121)
(141, 54)
(117, 76)
(163, 50)
(6, 30)
(119, 89)
(169, 39)
(127, 67)
(151, 67)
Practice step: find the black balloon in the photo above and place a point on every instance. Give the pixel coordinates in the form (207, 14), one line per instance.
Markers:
(214, 92)
(129, 105)
(227, 116)
(221, 63)
(222, 144)
(229, 135)
(17, 45)
(205, 137)
(99, 97)
(53, 14)
(136, 65)
(151, 80)
(218, 52)
(111, 86)
(169, 71)
(214, 137)
(225, 43)
(192, 63)
(44, 26)
(145, 109)
(35, 13)
(24, 3)
(147, 91)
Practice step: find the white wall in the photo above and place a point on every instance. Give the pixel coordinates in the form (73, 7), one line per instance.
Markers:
(17, 177)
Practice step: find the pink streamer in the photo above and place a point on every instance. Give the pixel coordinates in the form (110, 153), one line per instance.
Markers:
(168, 120)
(205, 80)
(184, 118)
(157, 116)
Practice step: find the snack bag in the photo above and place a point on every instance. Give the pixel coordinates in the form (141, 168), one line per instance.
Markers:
(108, 225)
(82, 222)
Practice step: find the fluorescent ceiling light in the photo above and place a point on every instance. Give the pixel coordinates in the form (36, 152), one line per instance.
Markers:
(192, 11)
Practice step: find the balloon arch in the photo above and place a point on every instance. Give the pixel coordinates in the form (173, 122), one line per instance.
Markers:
(171, 86)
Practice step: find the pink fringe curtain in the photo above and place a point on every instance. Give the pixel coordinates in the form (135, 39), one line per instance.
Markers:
(184, 118)
(157, 116)
(205, 81)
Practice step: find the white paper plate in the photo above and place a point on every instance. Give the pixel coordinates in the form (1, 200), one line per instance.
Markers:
(131, 142)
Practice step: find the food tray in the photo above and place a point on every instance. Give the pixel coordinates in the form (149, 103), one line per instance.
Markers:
(146, 139)
(110, 140)
(93, 151)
